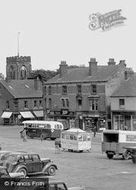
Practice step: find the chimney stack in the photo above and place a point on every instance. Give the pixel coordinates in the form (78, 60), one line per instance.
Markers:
(92, 66)
(37, 83)
(122, 62)
(63, 68)
(111, 62)
(128, 74)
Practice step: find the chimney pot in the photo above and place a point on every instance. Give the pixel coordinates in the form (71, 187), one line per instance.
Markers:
(63, 68)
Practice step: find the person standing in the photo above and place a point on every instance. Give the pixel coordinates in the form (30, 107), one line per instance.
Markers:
(94, 130)
(23, 135)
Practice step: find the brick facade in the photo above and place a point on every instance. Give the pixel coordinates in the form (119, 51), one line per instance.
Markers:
(87, 104)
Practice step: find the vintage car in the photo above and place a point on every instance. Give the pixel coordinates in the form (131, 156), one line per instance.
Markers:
(5, 174)
(29, 164)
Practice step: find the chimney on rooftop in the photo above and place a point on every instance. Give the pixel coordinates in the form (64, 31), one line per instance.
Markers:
(111, 62)
(92, 66)
(122, 62)
(63, 68)
(37, 83)
(128, 73)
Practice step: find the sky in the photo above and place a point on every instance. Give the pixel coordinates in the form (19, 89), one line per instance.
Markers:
(52, 31)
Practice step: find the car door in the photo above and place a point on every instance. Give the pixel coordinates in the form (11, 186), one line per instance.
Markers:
(29, 163)
(36, 163)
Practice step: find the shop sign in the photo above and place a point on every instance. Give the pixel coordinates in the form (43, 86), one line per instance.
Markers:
(130, 137)
(57, 112)
(51, 112)
(65, 112)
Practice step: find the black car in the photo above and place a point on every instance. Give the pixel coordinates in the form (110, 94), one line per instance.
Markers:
(29, 164)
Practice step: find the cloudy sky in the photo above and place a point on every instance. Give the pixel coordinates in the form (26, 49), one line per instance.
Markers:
(55, 30)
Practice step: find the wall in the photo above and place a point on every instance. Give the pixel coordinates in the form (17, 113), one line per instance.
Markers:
(130, 104)
(4, 97)
(56, 95)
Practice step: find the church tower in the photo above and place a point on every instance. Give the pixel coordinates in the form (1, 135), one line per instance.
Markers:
(18, 67)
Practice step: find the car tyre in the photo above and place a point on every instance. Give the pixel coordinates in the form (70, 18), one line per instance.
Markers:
(109, 155)
(22, 170)
(51, 170)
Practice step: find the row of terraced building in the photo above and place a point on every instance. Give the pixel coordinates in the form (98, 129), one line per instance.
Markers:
(97, 95)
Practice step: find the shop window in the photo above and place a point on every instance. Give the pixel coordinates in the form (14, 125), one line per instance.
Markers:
(64, 90)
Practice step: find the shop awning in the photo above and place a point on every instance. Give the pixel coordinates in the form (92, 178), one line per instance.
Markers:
(27, 114)
(38, 113)
(6, 114)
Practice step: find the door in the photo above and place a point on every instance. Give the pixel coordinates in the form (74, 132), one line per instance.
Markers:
(36, 163)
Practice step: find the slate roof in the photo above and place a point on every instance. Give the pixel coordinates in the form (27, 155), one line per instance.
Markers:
(22, 88)
(127, 88)
(104, 73)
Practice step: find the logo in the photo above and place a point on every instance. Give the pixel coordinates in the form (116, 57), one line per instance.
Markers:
(106, 21)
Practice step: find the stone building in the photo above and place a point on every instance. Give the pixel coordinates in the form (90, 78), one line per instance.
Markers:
(123, 104)
(83, 93)
(18, 67)
(20, 98)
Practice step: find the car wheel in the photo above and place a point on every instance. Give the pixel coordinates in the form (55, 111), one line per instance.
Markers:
(110, 156)
(51, 170)
(22, 170)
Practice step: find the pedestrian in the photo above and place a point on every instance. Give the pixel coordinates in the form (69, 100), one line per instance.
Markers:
(23, 135)
(94, 130)
(41, 137)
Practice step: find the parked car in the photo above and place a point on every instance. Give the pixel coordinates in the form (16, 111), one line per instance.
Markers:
(4, 154)
(5, 174)
(29, 164)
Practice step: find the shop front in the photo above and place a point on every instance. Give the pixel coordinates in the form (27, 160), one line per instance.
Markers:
(124, 121)
(7, 117)
(62, 115)
(88, 121)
